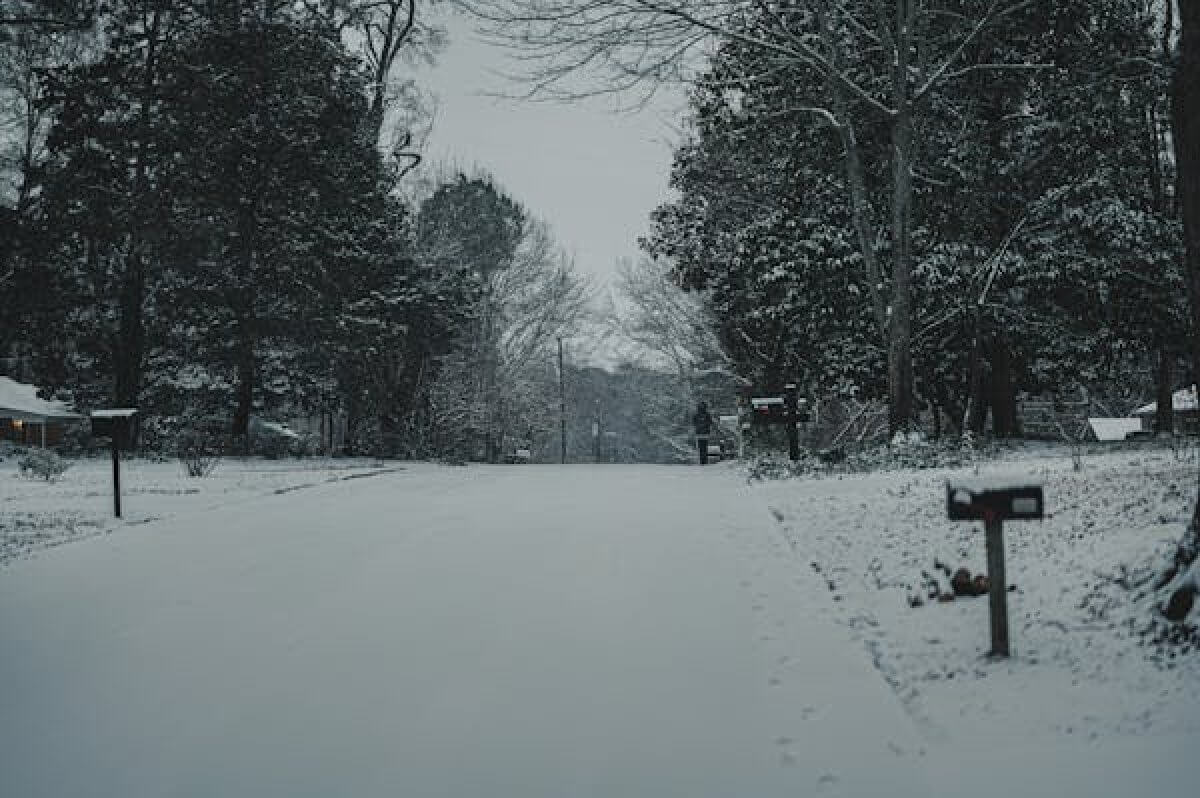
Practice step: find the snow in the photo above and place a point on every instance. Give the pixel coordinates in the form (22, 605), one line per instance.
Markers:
(291, 629)
(1082, 668)
(36, 514)
(115, 412)
(996, 482)
(18, 400)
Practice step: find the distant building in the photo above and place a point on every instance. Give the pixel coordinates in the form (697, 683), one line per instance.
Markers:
(1186, 410)
(1114, 429)
(28, 420)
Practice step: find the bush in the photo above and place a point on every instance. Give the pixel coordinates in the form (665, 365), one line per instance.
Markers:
(775, 467)
(904, 452)
(9, 449)
(42, 463)
(199, 444)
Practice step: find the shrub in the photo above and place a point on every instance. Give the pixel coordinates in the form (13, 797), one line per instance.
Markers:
(199, 444)
(42, 463)
(770, 467)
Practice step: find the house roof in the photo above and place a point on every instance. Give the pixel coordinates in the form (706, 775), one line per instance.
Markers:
(20, 401)
(1183, 399)
(1114, 429)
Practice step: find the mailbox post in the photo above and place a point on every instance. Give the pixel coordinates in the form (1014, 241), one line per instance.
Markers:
(115, 425)
(994, 502)
(788, 409)
(791, 398)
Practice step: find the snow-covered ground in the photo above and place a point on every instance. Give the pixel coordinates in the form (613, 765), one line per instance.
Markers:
(1087, 659)
(604, 631)
(37, 514)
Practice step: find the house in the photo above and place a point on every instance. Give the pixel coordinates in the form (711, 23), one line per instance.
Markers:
(28, 420)
(1187, 412)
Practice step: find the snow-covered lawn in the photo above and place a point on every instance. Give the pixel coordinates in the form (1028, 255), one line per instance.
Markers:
(1088, 660)
(36, 514)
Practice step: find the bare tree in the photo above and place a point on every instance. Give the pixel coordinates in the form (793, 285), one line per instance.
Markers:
(24, 122)
(390, 32)
(537, 299)
(877, 63)
(673, 326)
(498, 384)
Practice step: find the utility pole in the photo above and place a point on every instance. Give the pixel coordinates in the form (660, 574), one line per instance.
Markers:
(562, 402)
(596, 431)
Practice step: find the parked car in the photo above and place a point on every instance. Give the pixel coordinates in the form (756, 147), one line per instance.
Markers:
(518, 456)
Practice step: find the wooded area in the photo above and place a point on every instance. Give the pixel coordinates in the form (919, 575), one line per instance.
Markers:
(942, 204)
(199, 223)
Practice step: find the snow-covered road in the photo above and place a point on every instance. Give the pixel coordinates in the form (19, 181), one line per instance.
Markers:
(505, 632)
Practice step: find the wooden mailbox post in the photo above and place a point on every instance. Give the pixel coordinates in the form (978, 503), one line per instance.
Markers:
(995, 501)
(115, 425)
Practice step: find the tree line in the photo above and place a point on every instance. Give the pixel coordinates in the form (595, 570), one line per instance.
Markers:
(939, 203)
(201, 221)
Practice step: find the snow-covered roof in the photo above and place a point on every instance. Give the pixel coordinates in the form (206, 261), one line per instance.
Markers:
(993, 482)
(116, 412)
(20, 401)
(273, 427)
(1114, 429)
(1183, 399)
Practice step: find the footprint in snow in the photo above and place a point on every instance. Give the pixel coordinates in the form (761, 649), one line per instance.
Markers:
(826, 781)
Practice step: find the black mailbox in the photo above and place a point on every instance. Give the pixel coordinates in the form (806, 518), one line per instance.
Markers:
(768, 410)
(981, 500)
(113, 424)
(774, 410)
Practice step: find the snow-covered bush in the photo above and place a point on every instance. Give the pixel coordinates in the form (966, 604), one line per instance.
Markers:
(199, 444)
(767, 467)
(909, 451)
(42, 463)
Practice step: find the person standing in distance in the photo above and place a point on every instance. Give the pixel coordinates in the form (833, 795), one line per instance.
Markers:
(703, 424)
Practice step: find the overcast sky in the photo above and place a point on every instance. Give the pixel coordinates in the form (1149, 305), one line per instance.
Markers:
(592, 173)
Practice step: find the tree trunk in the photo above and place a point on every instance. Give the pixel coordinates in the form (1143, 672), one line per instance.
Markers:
(975, 416)
(130, 339)
(1164, 414)
(1185, 123)
(861, 218)
(246, 373)
(900, 366)
(1002, 392)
